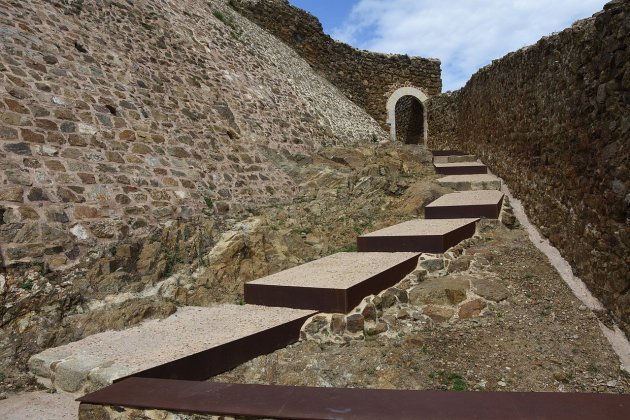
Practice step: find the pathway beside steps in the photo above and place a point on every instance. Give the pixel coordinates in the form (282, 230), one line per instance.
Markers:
(198, 343)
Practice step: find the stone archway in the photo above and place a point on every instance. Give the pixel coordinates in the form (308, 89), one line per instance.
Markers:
(410, 97)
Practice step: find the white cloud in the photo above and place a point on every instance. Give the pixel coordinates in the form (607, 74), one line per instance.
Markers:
(464, 34)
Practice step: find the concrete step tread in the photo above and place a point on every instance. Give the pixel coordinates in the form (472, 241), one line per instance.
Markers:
(466, 198)
(474, 182)
(469, 178)
(333, 284)
(454, 158)
(338, 271)
(420, 227)
(459, 164)
(114, 354)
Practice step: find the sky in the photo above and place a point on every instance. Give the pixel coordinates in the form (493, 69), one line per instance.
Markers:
(464, 34)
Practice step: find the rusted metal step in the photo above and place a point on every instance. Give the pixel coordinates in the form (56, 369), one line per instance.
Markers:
(419, 235)
(460, 168)
(285, 402)
(336, 283)
(484, 203)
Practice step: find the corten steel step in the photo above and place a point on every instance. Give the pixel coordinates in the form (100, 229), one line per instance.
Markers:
(484, 203)
(285, 402)
(194, 343)
(463, 168)
(336, 283)
(448, 152)
(471, 182)
(419, 235)
(454, 159)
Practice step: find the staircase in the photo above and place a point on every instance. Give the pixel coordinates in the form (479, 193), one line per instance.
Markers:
(198, 343)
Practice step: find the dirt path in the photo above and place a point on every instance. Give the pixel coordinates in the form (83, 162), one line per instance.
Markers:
(39, 406)
(615, 336)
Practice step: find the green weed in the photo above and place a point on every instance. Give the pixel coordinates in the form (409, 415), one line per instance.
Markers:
(451, 380)
(27, 285)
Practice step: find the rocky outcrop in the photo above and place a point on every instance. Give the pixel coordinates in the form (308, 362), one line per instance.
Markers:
(553, 120)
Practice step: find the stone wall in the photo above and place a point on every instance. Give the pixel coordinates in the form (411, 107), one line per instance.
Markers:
(553, 120)
(366, 78)
(118, 117)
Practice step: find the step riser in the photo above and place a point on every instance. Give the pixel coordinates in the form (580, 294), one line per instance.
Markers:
(434, 244)
(462, 170)
(204, 365)
(327, 300)
(489, 211)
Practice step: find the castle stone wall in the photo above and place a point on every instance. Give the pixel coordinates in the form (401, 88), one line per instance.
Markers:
(119, 117)
(367, 78)
(553, 120)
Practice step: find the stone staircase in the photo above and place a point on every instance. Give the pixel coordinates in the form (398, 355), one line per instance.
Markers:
(198, 343)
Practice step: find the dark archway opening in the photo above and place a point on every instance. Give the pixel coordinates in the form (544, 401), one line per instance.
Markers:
(409, 120)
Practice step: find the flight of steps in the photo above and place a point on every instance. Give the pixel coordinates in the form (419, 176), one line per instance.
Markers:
(197, 343)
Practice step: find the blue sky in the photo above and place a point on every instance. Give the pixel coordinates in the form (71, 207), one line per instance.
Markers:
(465, 34)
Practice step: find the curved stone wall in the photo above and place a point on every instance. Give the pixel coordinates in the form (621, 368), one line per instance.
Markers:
(365, 77)
(553, 120)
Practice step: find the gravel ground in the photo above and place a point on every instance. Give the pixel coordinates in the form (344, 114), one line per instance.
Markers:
(39, 405)
(541, 338)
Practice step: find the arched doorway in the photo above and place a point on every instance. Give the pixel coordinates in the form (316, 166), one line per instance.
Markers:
(407, 115)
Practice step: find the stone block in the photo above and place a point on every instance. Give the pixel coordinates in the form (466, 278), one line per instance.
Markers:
(71, 374)
(447, 290)
(490, 289)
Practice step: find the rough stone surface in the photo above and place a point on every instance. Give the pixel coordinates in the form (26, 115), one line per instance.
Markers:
(355, 323)
(440, 291)
(438, 313)
(100, 412)
(490, 289)
(471, 309)
(552, 120)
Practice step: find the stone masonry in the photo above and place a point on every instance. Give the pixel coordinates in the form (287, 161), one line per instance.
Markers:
(117, 117)
(367, 78)
(553, 120)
